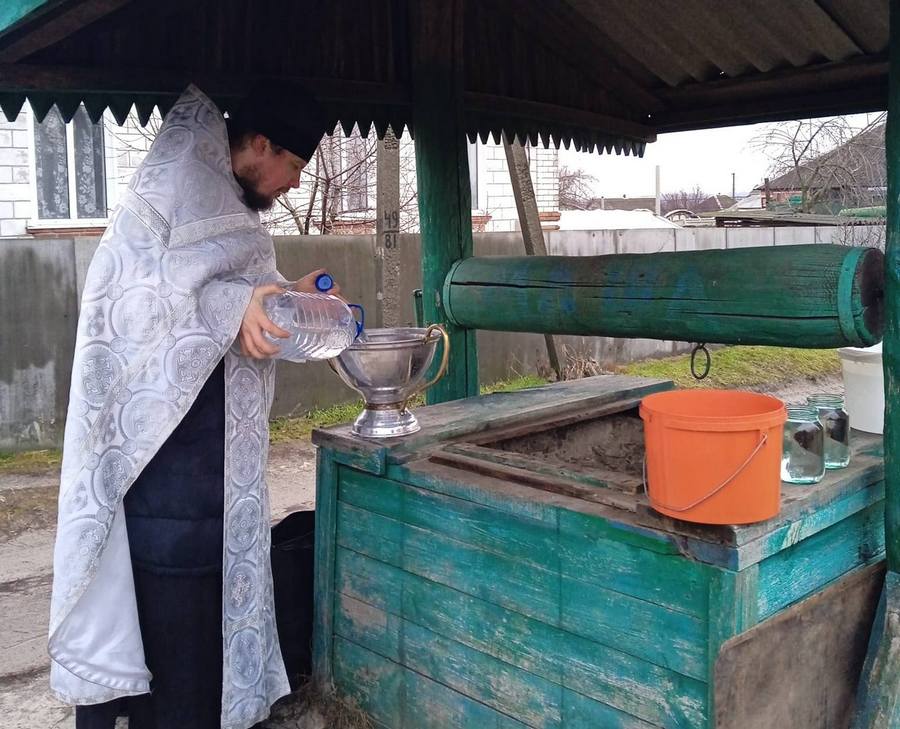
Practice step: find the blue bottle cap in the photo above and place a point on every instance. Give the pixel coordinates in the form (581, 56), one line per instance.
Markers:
(324, 282)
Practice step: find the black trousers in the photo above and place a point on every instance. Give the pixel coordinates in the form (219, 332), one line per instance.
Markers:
(174, 517)
(181, 623)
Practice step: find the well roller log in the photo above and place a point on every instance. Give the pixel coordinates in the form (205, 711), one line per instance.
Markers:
(796, 296)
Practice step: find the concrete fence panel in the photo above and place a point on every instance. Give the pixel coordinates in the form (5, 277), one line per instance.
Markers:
(41, 282)
(39, 304)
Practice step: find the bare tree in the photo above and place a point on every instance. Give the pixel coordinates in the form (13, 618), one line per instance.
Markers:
(682, 200)
(827, 163)
(575, 191)
(338, 186)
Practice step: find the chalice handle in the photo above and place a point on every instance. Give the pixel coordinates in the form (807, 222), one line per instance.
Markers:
(442, 370)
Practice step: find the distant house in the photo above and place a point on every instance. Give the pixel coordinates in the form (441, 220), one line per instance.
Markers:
(714, 203)
(58, 177)
(623, 203)
(851, 175)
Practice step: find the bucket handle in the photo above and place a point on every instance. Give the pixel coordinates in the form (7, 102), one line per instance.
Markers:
(764, 437)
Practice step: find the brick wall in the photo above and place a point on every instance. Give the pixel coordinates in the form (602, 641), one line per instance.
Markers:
(15, 174)
(495, 193)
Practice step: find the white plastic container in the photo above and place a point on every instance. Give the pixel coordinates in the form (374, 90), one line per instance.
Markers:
(321, 326)
(863, 387)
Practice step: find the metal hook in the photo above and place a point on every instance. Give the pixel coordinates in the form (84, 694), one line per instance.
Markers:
(698, 348)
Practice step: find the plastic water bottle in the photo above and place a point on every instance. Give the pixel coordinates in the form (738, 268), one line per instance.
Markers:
(321, 326)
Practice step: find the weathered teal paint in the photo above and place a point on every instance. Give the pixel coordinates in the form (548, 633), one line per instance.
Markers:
(613, 677)
(505, 603)
(12, 11)
(442, 172)
(891, 349)
(325, 545)
(809, 295)
(878, 701)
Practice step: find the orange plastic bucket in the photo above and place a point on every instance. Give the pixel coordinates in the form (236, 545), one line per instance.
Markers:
(713, 456)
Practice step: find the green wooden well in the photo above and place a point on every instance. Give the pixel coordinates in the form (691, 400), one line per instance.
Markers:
(480, 574)
(459, 588)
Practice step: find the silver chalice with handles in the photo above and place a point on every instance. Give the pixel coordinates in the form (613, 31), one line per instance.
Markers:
(388, 367)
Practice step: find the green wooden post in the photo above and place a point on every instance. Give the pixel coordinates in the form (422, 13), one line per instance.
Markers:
(442, 171)
(325, 546)
(878, 702)
(892, 306)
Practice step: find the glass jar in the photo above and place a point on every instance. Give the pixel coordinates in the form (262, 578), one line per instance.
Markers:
(803, 450)
(836, 423)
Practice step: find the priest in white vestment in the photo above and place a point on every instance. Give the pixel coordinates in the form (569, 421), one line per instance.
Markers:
(162, 590)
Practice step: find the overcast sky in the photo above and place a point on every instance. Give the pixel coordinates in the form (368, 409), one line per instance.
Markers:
(705, 158)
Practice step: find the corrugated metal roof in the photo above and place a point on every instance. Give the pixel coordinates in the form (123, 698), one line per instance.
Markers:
(595, 73)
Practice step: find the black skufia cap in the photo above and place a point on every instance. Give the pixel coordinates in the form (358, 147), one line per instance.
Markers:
(287, 113)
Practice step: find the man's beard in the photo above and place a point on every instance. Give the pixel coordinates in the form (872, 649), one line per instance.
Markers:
(253, 199)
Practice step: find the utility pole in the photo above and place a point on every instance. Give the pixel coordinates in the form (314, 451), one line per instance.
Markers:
(529, 222)
(658, 203)
(732, 186)
(387, 231)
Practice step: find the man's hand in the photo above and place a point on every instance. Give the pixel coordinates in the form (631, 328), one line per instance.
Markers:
(307, 284)
(253, 343)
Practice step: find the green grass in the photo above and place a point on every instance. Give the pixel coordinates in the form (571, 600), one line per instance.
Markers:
(30, 461)
(735, 367)
(523, 382)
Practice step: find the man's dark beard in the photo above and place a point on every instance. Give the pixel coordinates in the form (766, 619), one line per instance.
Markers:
(252, 198)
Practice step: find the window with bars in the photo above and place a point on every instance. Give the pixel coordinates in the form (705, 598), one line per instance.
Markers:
(70, 168)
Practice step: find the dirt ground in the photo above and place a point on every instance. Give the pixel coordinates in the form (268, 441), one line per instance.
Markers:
(27, 521)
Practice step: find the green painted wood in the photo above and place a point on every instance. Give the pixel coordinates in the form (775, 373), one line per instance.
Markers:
(623, 683)
(784, 535)
(811, 295)
(601, 551)
(402, 699)
(531, 699)
(442, 173)
(580, 712)
(364, 456)
(804, 568)
(891, 349)
(732, 610)
(879, 687)
(497, 413)
(588, 548)
(517, 585)
(576, 547)
(12, 11)
(531, 540)
(795, 532)
(325, 545)
(666, 638)
(507, 498)
(657, 634)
